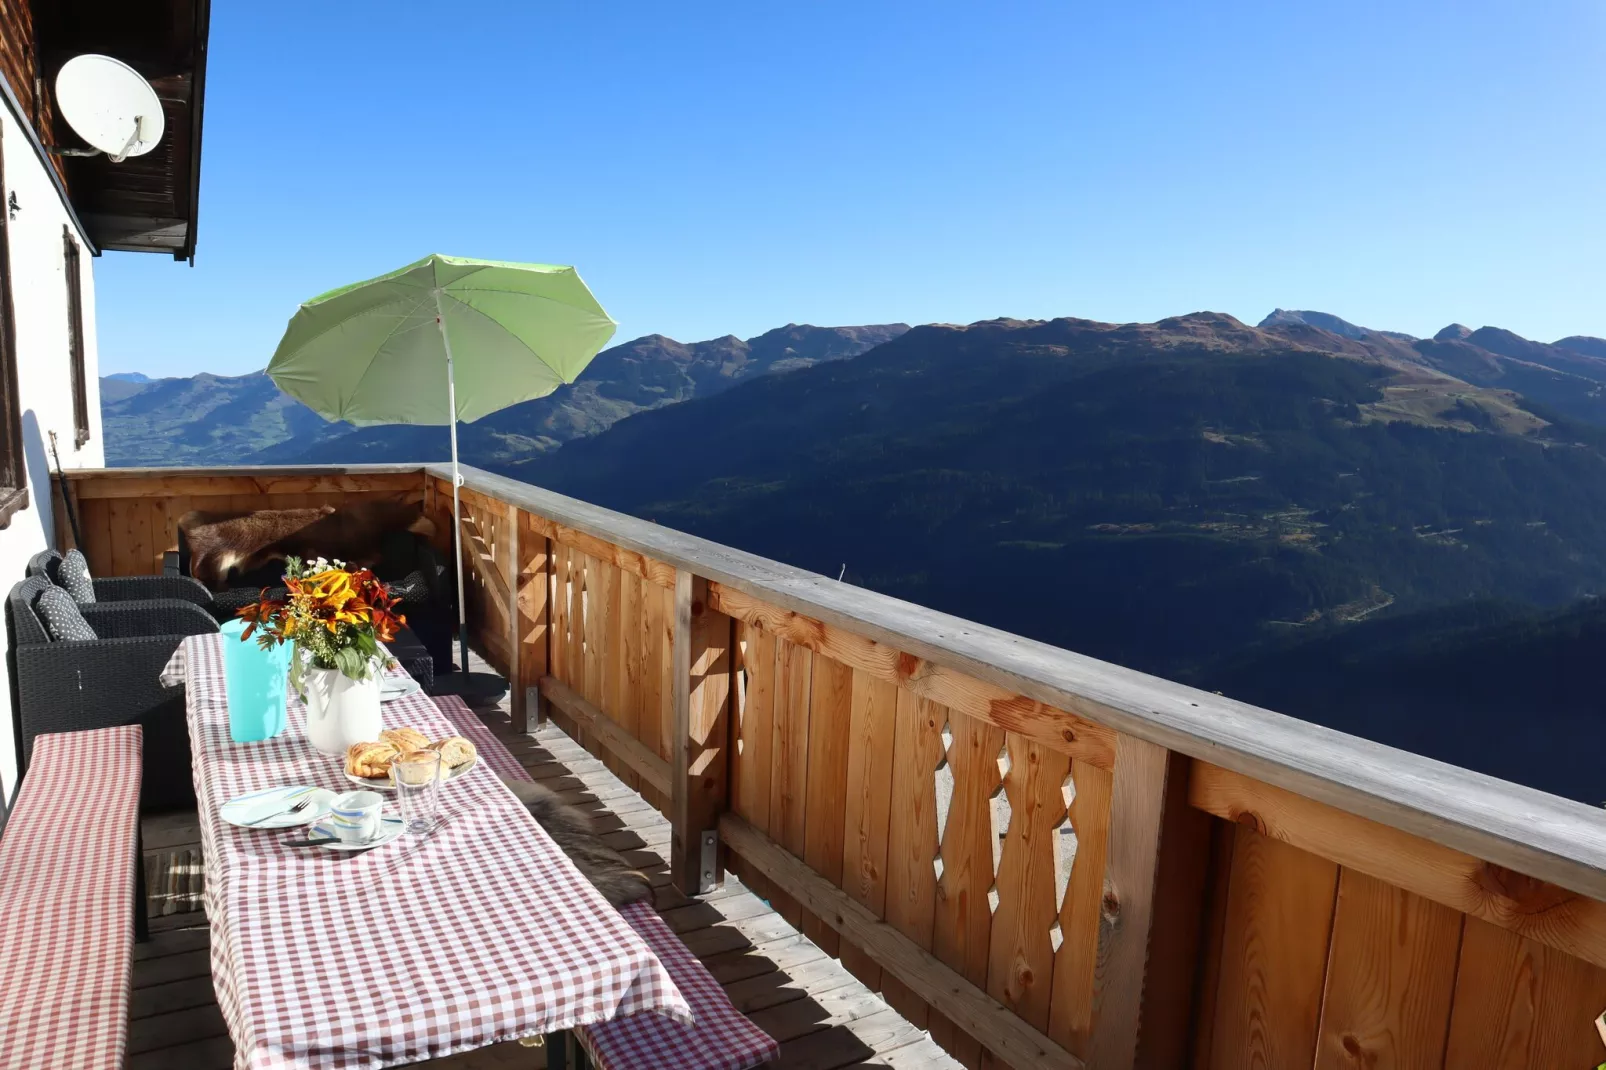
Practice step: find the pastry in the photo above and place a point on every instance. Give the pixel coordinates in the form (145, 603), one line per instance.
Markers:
(370, 760)
(416, 768)
(455, 751)
(405, 739)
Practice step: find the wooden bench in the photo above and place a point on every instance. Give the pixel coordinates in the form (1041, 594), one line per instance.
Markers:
(720, 1038)
(70, 902)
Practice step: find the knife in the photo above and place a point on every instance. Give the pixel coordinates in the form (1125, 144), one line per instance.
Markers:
(307, 843)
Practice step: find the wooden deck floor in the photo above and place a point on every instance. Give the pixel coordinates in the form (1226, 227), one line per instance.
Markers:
(824, 1018)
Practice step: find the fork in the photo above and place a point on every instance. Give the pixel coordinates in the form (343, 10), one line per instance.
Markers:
(296, 809)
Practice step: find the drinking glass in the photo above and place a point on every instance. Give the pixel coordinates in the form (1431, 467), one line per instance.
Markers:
(417, 776)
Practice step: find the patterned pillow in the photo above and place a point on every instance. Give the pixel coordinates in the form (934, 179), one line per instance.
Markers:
(63, 622)
(72, 574)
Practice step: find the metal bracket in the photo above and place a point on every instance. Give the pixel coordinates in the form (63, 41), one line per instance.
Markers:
(710, 859)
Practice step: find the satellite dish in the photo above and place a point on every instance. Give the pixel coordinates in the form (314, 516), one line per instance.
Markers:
(109, 105)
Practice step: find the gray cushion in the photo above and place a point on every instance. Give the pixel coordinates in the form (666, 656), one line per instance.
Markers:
(73, 576)
(59, 613)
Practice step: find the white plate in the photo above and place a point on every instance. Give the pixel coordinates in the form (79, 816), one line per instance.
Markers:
(395, 687)
(240, 811)
(390, 826)
(383, 783)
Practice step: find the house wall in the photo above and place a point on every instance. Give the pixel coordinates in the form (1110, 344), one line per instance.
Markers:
(44, 370)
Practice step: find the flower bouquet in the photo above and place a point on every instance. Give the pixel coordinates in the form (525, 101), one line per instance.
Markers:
(337, 618)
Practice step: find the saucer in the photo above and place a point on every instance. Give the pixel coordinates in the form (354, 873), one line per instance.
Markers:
(390, 826)
(241, 810)
(392, 688)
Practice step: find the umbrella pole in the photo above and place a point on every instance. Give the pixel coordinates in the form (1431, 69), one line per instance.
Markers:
(457, 507)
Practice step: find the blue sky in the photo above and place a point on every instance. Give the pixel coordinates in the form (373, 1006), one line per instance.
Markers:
(728, 168)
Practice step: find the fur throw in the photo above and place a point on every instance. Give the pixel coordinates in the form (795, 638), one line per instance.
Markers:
(605, 868)
(234, 544)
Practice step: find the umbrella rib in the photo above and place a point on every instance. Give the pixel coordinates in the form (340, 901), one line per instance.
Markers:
(499, 326)
(357, 386)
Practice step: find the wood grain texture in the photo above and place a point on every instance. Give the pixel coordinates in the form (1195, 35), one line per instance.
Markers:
(794, 669)
(1140, 790)
(1020, 967)
(610, 738)
(533, 620)
(1520, 1004)
(1552, 839)
(912, 835)
(866, 810)
(752, 782)
(149, 483)
(1051, 727)
(1390, 979)
(634, 563)
(830, 722)
(1569, 922)
(1274, 956)
(1082, 919)
(1014, 1042)
(962, 933)
(630, 662)
(702, 661)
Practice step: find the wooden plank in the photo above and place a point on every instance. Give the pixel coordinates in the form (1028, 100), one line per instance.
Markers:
(1139, 793)
(628, 664)
(96, 520)
(636, 564)
(560, 668)
(630, 752)
(658, 647)
(751, 785)
(532, 623)
(610, 655)
(1390, 978)
(1274, 957)
(962, 932)
(513, 554)
(912, 836)
(1569, 922)
(1082, 916)
(794, 666)
(1020, 966)
(1552, 839)
(1051, 727)
(1520, 1004)
(136, 483)
(830, 720)
(702, 660)
(1011, 1039)
(1179, 914)
(866, 813)
(1213, 939)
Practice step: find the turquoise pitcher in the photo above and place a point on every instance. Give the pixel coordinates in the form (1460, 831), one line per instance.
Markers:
(256, 680)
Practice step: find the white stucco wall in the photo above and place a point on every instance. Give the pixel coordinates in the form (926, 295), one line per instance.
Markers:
(44, 371)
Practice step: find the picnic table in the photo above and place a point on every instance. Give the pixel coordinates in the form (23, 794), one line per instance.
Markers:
(479, 932)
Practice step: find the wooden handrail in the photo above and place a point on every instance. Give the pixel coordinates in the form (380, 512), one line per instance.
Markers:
(1554, 839)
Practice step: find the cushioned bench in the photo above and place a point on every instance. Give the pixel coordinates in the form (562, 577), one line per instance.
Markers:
(69, 902)
(720, 1038)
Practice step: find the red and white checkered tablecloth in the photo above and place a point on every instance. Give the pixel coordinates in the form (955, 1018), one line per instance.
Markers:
(480, 932)
(67, 902)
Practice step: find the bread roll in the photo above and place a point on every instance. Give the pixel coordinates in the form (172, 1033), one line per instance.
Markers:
(405, 739)
(455, 751)
(370, 760)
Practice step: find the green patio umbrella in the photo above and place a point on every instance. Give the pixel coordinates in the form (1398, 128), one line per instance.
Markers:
(438, 341)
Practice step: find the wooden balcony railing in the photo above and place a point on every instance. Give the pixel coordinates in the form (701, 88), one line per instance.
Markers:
(1045, 860)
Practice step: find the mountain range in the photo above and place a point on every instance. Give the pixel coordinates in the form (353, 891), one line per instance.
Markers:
(1339, 522)
(246, 419)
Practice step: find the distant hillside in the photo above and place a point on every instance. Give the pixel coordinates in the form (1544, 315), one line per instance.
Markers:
(1512, 692)
(1163, 495)
(244, 419)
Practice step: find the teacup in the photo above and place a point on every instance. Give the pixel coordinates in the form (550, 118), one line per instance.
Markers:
(354, 816)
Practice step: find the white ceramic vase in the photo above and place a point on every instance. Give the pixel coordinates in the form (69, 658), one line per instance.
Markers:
(340, 711)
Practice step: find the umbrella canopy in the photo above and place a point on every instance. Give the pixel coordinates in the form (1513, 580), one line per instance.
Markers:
(442, 340)
(373, 352)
